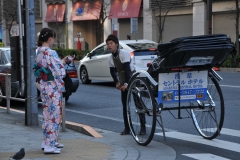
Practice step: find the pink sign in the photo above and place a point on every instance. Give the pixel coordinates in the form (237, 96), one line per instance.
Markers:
(125, 9)
(55, 13)
(83, 10)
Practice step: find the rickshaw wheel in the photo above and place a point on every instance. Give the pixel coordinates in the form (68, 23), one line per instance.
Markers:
(141, 110)
(208, 118)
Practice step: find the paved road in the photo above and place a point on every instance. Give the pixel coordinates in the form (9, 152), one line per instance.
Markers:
(98, 105)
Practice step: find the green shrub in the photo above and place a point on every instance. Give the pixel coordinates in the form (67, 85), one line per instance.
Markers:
(65, 52)
(232, 62)
(1, 44)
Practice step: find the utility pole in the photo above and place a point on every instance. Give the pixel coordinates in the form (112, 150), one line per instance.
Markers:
(209, 17)
(66, 20)
(30, 50)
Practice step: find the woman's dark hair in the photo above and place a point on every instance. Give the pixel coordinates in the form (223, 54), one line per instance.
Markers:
(45, 33)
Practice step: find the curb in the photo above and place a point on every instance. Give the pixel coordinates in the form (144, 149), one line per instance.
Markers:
(84, 129)
(80, 128)
(230, 69)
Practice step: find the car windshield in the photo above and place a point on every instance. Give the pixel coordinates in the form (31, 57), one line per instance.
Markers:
(8, 54)
(141, 46)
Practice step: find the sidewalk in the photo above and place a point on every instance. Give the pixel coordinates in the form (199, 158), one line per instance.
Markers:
(15, 135)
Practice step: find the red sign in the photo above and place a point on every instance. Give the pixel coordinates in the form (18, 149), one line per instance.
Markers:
(83, 10)
(125, 9)
(55, 13)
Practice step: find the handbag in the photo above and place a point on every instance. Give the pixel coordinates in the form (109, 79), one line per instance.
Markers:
(68, 84)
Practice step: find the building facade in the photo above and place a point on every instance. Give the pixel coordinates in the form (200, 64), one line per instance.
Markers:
(69, 17)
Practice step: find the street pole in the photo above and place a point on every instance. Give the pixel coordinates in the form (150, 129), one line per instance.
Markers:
(31, 92)
(66, 20)
(209, 17)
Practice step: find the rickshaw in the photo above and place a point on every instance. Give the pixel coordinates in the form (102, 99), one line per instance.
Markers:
(180, 78)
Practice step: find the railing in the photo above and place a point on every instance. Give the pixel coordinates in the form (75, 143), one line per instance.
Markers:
(9, 98)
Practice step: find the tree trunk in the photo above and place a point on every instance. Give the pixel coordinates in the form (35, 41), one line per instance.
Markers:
(237, 27)
(160, 23)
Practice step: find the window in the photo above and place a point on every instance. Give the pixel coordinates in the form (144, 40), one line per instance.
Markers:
(140, 46)
(1, 59)
(8, 54)
(99, 51)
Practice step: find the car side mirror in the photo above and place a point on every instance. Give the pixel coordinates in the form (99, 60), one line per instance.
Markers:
(90, 55)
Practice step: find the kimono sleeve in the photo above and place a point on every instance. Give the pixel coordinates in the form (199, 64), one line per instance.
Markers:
(57, 68)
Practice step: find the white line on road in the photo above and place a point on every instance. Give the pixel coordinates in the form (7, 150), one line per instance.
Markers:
(230, 86)
(205, 156)
(94, 115)
(106, 117)
(198, 139)
(226, 131)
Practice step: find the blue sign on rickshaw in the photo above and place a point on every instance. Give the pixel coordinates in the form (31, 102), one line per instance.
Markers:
(193, 86)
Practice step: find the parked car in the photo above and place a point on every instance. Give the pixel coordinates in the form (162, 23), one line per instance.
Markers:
(72, 72)
(5, 67)
(94, 66)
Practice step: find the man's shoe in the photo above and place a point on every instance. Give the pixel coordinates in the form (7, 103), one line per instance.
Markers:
(125, 132)
(51, 150)
(142, 131)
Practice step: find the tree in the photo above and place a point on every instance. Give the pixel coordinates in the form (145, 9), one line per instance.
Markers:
(159, 10)
(237, 25)
(8, 14)
(234, 14)
(56, 24)
(58, 27)
(102, 6)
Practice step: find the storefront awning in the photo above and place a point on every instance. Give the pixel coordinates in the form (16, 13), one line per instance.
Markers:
(83, 10)
(55, 13)
(125, 8)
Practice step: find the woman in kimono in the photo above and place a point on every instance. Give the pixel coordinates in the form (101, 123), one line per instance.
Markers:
(51, 88)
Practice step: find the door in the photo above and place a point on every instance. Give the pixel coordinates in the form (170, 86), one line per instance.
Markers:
(94, 63)
(104, 64)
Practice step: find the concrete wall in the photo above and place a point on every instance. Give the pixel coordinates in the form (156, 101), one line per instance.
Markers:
(224, 24)
(125, 28)
(177, 26)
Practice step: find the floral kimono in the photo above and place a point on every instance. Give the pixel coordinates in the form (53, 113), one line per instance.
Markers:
(51, 93)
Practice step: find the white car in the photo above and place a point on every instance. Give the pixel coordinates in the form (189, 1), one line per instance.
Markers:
(94, 66)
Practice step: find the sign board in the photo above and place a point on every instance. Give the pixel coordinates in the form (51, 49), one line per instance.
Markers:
(114, 20)
(76, 39)
(193, 86)
(134, 25)
(115, 27)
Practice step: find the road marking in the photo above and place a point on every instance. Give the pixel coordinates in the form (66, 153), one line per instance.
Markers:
(94, 115)
(230, 86)
(106, 117)
(226, 131)
(198, 139)
(204, 156)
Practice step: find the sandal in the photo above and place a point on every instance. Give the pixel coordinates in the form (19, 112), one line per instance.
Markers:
(125, 132)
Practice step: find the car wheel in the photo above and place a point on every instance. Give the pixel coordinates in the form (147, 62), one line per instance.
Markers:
(84, 76)
(2, 100)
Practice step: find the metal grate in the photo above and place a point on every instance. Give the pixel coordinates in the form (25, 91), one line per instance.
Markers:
(55, 1)
(156, 4)
(37, 8)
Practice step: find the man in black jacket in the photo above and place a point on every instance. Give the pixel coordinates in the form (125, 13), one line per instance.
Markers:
(120, 60)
